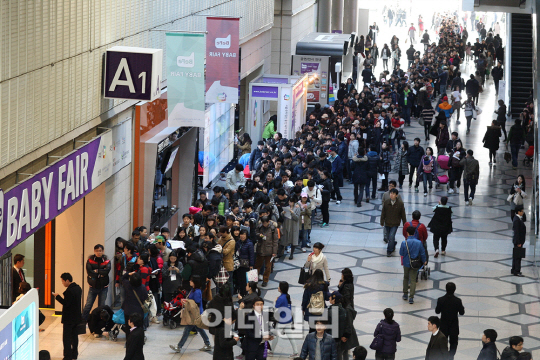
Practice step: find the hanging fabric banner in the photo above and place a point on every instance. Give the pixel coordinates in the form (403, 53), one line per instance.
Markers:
(185, 80)
(222, 60)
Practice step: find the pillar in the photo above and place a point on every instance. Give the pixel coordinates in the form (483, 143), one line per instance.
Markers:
(324, 10)
(350, 17)
(337, 16)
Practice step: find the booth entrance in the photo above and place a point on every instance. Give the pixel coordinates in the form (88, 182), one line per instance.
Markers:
(290, 92)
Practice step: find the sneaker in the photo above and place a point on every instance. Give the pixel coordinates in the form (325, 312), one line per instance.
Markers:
(416, 189)
(411, 301)
(359, 205)
(430, 189)
(260, 277)
(264, 284)
(338, 202)
(155, 320)
(304, 249)
(457, 190)
(450, 191)
(436, 254)
(324, 224)
(470, 201)
(367, 200)
(192, 332)
(405, 297)
(443, 252)
(490, 163)
(175, 348)
(206, 348)
(410, 186)
(425, 194)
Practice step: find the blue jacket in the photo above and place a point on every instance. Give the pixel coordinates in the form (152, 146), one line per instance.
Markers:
(337, 166)
(255, 155)
(328, 347)
(285, 313)
(343, 150)
(415, 247)
(246, 251)
(196, 295)
(373, 160)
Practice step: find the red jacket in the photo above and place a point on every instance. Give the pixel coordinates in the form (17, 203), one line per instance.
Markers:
(422, 231)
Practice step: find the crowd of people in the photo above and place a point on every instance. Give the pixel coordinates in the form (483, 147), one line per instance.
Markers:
(226, 245)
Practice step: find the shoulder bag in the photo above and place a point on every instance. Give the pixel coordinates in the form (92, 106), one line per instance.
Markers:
(378, 342)
(144, 306)
(415, 263)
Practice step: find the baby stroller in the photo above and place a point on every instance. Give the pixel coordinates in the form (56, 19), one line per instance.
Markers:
(443, 161)
(171, 310)
(529, 154)
(119, 321)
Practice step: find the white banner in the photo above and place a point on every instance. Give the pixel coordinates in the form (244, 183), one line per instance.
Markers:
(284, 126)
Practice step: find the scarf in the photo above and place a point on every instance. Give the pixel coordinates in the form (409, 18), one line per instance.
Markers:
(406, 96)
(315, 260)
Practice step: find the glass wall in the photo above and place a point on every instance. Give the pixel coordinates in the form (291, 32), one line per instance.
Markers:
(26, 248)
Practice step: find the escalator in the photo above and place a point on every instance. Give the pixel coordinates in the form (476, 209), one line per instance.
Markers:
(521, 61)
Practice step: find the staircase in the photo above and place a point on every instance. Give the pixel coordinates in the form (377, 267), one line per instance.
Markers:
(521, 68)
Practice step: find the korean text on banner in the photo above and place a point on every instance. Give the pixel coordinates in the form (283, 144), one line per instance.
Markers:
(285, 113)
(185, 81)
(222, 47)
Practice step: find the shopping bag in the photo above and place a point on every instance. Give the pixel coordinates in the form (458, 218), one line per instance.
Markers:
(304, 275)
(252, 275)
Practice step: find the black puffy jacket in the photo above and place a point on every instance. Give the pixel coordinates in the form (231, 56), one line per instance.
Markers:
(198, 265)
(99, 279)
(415, 155)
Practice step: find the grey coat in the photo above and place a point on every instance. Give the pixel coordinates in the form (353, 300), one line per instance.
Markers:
(401, 158)
(291, 227)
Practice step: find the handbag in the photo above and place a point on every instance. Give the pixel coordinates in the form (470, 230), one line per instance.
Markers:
(144, 306)
(378, 342)
(421, 121)
(316, 303)
(304, 275)
(415, 263)
(252, 275)
(81, 328)
(507, 156)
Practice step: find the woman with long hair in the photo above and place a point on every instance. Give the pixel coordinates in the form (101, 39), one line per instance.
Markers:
(244, 144)
(196, 295)
(401, 163)
(428, 167)
(246, 256)
(284, 316)
(517, 194)
(313, 286)
(172, 278)
(253, 292)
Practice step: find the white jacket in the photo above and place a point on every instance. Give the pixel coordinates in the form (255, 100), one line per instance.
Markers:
(315, 196)
(235, 179)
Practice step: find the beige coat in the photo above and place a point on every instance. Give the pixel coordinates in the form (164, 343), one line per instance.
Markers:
(228, 251)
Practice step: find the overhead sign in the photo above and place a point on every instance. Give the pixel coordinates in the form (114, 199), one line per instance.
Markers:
(222, 60)
(185, 79)
(33, 203)
(133, 73)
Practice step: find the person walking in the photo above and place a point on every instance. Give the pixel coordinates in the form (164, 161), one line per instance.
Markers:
(449, 306)
(411, 251)
(267, 247)
(285, 319)
(314, 285)
(415, 154)
(392, 215)
(518, 239)
(98, 268)
(346, 335)
(412, 34)
(135, 338)
(442, 137)
(390, 333)
(472, 87)
(401, 165)
(517, 194)
(469, 108)
(471, 173)
(498, 73)
(438, 344)
(501, 117)
(516, 136)
(337, 174)
(71, 315)
(512, 351)
(489, 349)
(427, 168)
(456, 169)
(317, 260)
(360, 177)
(427, 115)
(257, 332)
(491, 141)
(441, 225)
(421, 232)
(319, 345)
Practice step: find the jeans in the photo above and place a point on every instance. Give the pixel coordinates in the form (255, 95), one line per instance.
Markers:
(283, 330)
(101, 294)
(303, 237)
(391, 231)
(407, 115)
(349, 169)
(427, 177)
(442, 89)
(359, 192)
(473, 189)
(385, 64)
(373, 179)
(514, 148)
(409, 275)
(444, 241)
(455, 176)
(469, 118)
(190, 328)
(70, 339)
(336, 193)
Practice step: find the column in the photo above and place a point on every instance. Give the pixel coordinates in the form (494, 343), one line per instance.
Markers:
(337, 16)
(350, 17)
(324, 10)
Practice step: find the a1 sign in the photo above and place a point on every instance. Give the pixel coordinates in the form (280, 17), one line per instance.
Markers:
(133, 73)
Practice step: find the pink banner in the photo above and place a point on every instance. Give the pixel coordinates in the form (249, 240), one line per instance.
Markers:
(222, 60)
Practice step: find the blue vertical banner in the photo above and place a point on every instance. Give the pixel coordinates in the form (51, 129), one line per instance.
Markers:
(185, 79)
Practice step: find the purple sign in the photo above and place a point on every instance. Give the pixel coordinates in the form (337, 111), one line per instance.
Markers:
(271, 80)
(33, 203)
(264, 91)
(309, 67)
(5, 343)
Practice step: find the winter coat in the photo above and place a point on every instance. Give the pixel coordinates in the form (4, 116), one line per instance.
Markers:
(99, 279)
(470, 167)
(197, 265)
(228, 247)
(410, 99)
(215, 260)
(245, 251)
(491, 138)
(255, 155)
(416, 249)
(449, 306)
(488, 352)
(391, 334)
(442, 137)
(516, 135)
(393, 215)
(169, 285)
(441, 222)
(360, 170)
(385, 162)
(269, 130)
(246, 148)
(415, 154)
(447, 108)
(328, 347)
(373, 161)
(400, 162)
(501, 114)
(472, 87)
(509, 354)
(291, 227)
(305, 217)
(353, 148)
(347, 291)
(455, 162)
(267, 240)
(306, 297)
(343, 150)
(131, 304)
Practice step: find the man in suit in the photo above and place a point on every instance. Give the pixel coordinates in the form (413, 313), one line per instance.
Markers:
(135, 338)
(257, 332)
(449, 306)
(518, 239)
(18, 275)
(71, 315)
(438, 344)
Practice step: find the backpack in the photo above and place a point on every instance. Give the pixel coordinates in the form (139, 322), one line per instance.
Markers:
(316, 303)
(416, 234)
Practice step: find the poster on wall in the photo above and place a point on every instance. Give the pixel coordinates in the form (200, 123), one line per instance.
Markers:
(222, 47)
(121, 145)
(285, 113)
(317, 68)
(185, 79)
(30, 205)
(298, 113)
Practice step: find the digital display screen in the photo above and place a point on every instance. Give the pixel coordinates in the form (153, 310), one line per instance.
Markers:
(17, 340)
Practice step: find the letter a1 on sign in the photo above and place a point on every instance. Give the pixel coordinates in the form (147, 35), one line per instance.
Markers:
(133, 73)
